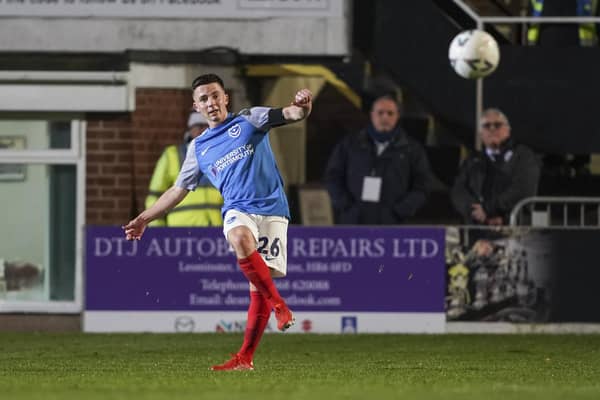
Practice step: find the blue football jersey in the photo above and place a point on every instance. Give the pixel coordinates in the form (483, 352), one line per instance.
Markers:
(236, 157)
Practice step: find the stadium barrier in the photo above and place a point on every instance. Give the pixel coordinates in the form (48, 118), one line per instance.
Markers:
(350, 280)
(339, 280)
(540, 211)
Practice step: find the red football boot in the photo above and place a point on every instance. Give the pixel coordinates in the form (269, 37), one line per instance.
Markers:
(284, 317)
(237, 362)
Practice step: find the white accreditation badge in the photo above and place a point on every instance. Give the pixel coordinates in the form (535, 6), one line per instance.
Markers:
(371, 190)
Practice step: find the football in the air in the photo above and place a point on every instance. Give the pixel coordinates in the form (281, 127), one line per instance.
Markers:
(474, 54)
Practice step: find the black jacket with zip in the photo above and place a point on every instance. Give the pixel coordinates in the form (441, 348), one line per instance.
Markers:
(497, 183)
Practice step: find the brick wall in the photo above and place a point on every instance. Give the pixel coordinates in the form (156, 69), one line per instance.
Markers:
(122, 150)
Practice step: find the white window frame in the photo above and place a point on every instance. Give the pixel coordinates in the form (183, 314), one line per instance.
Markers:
(66, 94)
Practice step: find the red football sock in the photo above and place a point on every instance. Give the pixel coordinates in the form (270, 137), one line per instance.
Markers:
(259, 312)
(257, 272)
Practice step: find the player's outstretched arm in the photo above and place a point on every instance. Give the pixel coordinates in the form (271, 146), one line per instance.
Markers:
(169, 199)
(300, 107)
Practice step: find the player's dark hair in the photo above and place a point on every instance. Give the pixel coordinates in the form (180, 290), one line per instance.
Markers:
(206, 79)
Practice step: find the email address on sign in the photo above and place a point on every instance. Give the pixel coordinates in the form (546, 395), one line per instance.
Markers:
(310, 300)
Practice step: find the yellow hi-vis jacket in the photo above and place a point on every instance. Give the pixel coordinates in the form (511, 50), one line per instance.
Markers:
(584, 8)
(201, 207)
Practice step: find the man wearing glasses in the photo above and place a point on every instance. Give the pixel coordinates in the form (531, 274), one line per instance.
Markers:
(492, 181)
(380, 175)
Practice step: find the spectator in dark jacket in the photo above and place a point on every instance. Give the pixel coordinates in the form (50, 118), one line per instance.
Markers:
(378, 176)
(492, 181)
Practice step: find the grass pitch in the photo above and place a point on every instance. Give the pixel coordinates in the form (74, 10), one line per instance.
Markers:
(175, 366)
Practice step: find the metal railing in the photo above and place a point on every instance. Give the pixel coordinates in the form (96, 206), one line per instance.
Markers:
(577, 212)
(480, 21)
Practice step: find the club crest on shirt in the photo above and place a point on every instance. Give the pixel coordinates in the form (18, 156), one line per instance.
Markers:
(234, 131)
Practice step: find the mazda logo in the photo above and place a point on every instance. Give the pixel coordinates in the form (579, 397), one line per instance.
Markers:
(184, 324)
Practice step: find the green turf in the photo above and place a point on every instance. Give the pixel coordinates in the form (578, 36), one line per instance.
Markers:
(173, 367)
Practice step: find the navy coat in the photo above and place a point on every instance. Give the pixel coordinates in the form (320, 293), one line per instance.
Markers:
(403, 167)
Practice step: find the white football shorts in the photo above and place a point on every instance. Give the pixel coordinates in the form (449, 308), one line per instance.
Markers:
(270, 233)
